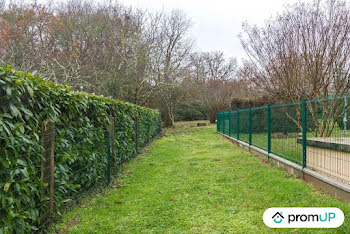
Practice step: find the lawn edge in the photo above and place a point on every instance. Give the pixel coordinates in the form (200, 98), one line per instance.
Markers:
(332, 187)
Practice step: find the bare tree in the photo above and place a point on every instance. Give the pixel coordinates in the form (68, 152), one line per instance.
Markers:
(213, 77)
(303, 53)
(216, 96)
(168, 60)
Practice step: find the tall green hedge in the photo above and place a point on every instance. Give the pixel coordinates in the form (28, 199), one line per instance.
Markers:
(26, 101)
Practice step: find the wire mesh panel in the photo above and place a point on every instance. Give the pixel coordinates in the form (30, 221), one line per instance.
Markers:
(244, 128)
(84, 162)
(219, 122)
(226, 123)
(233, 127)
(286, 127)
(222, 120)
(328, 138)
(229, 123)
(259, 127)
(234, 124)
(311, 133)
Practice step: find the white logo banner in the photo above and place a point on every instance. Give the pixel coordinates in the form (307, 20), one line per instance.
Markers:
(303, 217)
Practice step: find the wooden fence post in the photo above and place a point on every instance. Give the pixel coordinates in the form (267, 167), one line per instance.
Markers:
(48, 165)
(111, 130)
(148, 131)
(137, 133)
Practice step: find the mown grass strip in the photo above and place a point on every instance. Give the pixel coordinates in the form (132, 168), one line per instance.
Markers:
(192, 180)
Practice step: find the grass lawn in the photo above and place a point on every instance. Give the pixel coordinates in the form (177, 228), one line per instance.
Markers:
(193, 180)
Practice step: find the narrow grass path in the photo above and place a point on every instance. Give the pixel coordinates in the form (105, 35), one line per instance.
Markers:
(193, 180)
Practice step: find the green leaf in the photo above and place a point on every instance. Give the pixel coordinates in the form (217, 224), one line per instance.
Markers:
(26, 111)
(25, 172)
(8, 91)
(7, 186)
(5, 163)
(7, 130)
(30, 91)
(14, 111)
(21, 129)
(72, 154)
(6, 115)
(3, 201)
(21, 162)
(66, 200)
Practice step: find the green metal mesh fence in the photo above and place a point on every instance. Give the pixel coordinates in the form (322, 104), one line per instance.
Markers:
(244, 125)
(328, 139)
(233, 123)
(312, 133)
(285, 131)
(259, 127)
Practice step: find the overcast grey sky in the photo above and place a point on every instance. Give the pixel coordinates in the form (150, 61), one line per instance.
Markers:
(217, 23)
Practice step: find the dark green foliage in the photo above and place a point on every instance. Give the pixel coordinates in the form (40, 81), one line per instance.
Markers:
(190, 111)
(239, 103)
(80, 120)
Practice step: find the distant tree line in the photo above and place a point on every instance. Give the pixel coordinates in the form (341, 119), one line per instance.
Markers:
(138, 56)
(148, 58)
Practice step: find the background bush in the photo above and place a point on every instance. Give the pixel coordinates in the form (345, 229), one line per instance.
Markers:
(26, 101)
(194, 110)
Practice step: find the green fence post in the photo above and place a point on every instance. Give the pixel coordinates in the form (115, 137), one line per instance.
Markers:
(221, 125)
(108, 156)
(217, 121)
(229, 123)
(269, 130)
(250, 126)
(303, 106)
(223, 122)
(238, 125)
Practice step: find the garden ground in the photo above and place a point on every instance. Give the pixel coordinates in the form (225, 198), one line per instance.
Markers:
(193, 180)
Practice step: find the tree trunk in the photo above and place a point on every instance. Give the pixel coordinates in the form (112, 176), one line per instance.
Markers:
(212, 116)
(167, 121)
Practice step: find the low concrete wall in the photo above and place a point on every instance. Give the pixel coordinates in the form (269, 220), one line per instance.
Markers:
(333, 187)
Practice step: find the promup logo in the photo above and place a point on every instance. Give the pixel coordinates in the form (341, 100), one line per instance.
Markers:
(278, 217)
(325, 217)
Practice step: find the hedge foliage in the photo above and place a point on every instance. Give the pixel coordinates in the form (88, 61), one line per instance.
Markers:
(190, 111)
(26, 101)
